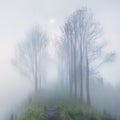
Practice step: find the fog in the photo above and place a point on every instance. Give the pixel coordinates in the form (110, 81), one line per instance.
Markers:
(17, 18)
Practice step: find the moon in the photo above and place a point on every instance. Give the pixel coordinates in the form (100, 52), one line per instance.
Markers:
(52, 21)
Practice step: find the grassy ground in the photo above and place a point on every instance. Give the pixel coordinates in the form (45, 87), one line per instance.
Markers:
(68, 108)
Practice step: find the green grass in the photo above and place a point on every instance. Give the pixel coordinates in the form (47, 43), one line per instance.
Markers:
(73, 109)
(83, 112)
(31, 110)
(69, 109)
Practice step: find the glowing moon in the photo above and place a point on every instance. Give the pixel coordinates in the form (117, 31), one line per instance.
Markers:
(52, 21)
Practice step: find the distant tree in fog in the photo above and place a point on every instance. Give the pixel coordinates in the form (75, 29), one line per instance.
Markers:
(29, 55)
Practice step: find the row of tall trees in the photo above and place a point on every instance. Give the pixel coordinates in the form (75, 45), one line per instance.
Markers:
(81, 52)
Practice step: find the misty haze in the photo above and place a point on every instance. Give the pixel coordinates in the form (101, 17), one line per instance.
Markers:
(59, 60)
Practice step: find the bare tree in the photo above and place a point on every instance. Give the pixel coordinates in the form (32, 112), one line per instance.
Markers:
(29, 55)
(82, 48)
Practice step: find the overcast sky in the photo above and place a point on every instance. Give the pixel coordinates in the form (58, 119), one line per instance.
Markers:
(18, 16)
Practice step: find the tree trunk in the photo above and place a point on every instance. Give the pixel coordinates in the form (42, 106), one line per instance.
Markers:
(81, 71)
(81, 84)
(87, 79)
(36, 84)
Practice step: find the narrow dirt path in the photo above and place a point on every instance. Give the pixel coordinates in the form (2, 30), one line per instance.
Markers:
(52, 113)
(51, 110)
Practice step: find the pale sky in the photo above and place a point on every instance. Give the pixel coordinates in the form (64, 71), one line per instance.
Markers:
(18, 16)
